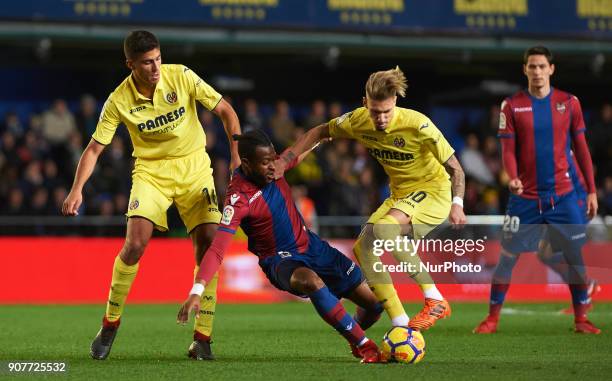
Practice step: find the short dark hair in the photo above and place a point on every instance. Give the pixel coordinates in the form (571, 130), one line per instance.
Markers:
(138, 42)
(538, 50)
(249, 141)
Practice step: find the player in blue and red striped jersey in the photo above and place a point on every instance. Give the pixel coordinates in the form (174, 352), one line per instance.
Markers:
(293, 258)
(538, 129)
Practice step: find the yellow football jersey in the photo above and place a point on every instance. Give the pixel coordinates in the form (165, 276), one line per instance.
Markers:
(166, 126)
(411, 149)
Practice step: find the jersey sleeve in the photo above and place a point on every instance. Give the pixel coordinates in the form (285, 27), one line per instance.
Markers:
(202, 91)
(577, 126)
(235, 209)
(340, 127)
(506, 121)
(108, 123)
(432, 138)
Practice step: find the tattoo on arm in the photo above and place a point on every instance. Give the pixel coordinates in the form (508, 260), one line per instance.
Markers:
(457, 175)
(288, 157)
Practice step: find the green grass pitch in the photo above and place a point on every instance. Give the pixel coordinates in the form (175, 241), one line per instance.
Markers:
(290, 342)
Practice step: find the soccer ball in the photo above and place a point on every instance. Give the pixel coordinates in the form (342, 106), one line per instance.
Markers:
(403, 344)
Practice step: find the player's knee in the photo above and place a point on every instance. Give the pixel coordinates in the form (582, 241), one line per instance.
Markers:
(364, 242)
(387, 228)
(133, 250)
(306, 281)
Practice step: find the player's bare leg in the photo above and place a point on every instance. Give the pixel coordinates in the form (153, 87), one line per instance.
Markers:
(139, 231)
(306, 281)
(202, 236)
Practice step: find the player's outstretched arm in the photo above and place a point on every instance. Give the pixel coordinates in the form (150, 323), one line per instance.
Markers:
(208, 267)
(87, 163)
(231, 124)
(301, 147)
(453, 168)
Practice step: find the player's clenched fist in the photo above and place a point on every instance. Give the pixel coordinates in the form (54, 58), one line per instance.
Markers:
(516, 186)
(71, 204)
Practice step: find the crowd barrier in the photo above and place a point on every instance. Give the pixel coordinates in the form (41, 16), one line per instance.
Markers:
(44, 270)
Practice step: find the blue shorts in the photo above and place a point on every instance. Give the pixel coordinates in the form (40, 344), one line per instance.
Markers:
(525, 220)
(339, 273)
(581, 194)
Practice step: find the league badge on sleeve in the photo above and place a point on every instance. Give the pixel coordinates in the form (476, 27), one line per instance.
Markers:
(228, 213)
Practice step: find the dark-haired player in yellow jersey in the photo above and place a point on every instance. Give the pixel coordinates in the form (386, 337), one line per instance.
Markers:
(418, 161)
(157, 104)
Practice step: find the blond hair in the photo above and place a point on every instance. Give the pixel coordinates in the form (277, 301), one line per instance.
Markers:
(386, 84)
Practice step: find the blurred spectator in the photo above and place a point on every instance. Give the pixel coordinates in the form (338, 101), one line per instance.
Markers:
(305, 206)
(121, 203)
(217, 147)
(14, 205)
(308, 171)
(39, 203)
(87, 117)
(336, 179)
(282, 125)
(251, 119)
(607, 197)
(491, 155)
(51, 175)
(600, 139)
(59, 195)
(12, 124)
(473, 162)
(9, 149)
(72, 153)
(346, 195)
(32, 148)
(32, 178)
(58, 123)
(316, 116)
(217, 144)
(334, 110)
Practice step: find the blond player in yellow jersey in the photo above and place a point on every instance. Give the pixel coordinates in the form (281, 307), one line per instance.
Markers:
(157, 104)
(418, 160)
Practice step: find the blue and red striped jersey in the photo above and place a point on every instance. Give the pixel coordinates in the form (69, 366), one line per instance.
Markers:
(267, 215)
(543, 131)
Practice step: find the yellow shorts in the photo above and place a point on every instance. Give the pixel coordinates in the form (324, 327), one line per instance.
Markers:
(427, 209)
(186, 182)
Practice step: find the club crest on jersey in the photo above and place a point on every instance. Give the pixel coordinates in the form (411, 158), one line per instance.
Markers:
(561, 107)
(171, 98)
(399, 142)
(228, 213)
(134, 205)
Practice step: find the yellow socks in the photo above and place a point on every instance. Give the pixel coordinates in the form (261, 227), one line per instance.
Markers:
(208, 303)
(380, 282)
(123, 277)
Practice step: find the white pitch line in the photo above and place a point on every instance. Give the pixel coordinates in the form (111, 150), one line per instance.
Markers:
(520, 311)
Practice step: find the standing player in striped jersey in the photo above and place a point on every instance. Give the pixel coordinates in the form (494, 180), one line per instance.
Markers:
(538, 128)
(293, 258)
(157, 104)
(418, 160)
